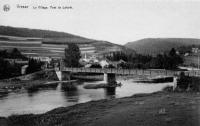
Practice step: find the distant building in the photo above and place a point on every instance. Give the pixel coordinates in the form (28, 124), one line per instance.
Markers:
(195, 50)
(17, 61)
(117, 63)
(104, 63)
(177, 52)
(89, 59)
(24, 69)
(43, 59)
(186, 54)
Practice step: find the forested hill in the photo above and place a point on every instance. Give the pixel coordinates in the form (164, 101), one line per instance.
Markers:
(155, 46)
(36, 33)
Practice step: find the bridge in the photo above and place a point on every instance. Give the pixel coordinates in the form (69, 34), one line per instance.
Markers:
(110, 73)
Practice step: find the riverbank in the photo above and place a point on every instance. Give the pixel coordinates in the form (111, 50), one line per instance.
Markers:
(27, 81)
(157, 109)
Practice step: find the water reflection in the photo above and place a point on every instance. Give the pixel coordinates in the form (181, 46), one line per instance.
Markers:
(3, 95)
(70, 92)
(42, 99)
(69, 86)
(110, 92)
(32, 91)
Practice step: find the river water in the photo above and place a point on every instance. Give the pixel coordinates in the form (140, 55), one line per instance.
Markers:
(45, 99)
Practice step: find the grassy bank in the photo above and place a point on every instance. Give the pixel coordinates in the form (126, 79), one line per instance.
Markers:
(28, 81)
(157, 109)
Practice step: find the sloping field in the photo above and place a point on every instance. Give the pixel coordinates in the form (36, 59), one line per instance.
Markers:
(35, 42)
(54, 47)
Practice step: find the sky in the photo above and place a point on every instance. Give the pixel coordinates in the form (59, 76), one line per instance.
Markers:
(117, 21)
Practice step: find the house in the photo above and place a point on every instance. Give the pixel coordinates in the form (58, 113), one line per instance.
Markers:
(24, 69)
(116, 64)
(195, 50)
(104, 63)
(16, 61)
(89, 60)
(43, 59)
(186, 54)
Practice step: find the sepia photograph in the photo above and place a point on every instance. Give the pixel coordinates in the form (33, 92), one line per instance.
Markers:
(99, 62)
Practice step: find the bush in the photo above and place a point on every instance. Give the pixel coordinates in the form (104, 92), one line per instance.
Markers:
(186, 83)
(183, 81)
(95, 66)
(110, 66)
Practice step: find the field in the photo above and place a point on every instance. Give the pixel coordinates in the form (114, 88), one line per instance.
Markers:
(54, 47)
(35, 42)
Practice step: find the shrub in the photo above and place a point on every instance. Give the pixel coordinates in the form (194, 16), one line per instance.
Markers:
(95, 66)
(186, 83)
(183, 81)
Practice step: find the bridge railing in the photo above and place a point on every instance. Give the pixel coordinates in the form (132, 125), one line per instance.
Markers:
(121, 71)
(151, 72)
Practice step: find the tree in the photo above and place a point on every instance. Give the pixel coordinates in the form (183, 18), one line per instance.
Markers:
(72, 55)
(183, 81)
(172, 52)
(12, 54)
(174, 59)
(34, 65)
(8, 70)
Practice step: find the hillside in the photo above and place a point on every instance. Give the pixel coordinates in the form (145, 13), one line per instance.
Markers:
(35, 42)
(154, 46)
(37, 33)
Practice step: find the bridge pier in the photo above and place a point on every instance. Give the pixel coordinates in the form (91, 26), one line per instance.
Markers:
(110, 78)
(174, 82)
(65, 75)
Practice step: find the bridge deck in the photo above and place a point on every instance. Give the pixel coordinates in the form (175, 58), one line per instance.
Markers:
(132, 71)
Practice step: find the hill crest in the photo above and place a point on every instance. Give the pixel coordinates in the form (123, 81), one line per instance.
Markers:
(154, 46)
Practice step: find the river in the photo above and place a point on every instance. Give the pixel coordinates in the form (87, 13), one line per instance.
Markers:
(45, 99)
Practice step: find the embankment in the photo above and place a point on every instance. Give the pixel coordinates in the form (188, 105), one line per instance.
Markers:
(29, 80)
(157, 109)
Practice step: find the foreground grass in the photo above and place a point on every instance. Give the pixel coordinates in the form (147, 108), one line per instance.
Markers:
(157, 109)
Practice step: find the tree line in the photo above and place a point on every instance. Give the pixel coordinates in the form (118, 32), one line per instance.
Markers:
(8, 69)
(161, 61)
(12, 54)
(169, 60)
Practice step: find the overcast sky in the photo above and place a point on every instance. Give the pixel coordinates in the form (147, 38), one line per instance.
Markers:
(117, 21)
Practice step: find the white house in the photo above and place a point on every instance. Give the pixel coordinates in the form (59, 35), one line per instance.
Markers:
(104, 63)
(23, 69)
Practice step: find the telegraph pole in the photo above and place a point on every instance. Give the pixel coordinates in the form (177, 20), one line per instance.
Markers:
(198, 57)
(198, 61)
